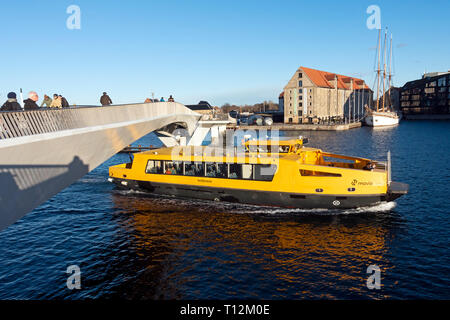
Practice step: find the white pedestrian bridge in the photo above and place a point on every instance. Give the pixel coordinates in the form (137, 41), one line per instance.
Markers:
(44, 151)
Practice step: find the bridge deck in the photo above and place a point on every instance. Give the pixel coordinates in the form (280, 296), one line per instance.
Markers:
(44, 151)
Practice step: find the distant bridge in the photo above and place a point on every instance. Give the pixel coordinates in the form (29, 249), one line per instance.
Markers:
(44, 151)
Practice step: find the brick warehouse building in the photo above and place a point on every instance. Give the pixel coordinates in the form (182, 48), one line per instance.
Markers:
(313, 95)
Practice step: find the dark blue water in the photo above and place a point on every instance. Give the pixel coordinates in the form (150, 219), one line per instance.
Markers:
(130, 245)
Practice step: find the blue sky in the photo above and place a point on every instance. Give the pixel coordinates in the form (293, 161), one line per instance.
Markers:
(221, 51)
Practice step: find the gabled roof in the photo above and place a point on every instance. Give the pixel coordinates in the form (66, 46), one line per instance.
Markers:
(327, 79)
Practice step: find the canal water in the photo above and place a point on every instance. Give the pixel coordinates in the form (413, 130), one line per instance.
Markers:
(134, 246)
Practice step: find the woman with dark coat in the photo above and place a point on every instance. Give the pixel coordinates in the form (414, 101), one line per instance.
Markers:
(11, 104)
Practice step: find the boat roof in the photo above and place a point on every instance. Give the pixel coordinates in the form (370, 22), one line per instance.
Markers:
(289, 142)
(212, 154)
(207, 152)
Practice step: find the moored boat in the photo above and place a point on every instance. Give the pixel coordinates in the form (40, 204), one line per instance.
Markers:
(384, 115)
(381, 119)
(274, 173)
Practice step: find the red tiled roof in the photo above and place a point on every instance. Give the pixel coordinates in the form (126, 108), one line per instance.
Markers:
(326, 79)
(281, 95)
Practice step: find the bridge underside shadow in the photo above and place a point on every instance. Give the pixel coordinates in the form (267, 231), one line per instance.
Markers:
(35, 167)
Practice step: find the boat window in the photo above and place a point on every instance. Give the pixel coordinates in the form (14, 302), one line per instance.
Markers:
(216, 170)
(196, 169)
(333, 159)
(154, 166)
(268, 148)
(259, 172)
(283, 149)
(247, 171)
(235, 171)
(264, 172)
(173, 167)
(310, 173)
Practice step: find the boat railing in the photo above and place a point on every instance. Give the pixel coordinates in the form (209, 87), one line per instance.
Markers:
(381, 165)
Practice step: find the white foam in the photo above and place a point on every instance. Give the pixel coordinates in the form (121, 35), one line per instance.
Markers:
(129, 191)
(380, 207)
(241, 208)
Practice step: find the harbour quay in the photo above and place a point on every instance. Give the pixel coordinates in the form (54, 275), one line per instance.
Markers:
(298, 127)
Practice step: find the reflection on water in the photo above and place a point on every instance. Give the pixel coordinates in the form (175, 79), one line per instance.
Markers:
(134, 246)
(284, 255)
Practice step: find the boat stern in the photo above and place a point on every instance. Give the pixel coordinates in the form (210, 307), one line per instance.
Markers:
(396, 190)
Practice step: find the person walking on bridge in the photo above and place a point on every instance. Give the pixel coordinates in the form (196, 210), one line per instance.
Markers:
(47, 101)
(11, 104)
(171, 99)
(105, 100)
(56, 103)
(30, 103)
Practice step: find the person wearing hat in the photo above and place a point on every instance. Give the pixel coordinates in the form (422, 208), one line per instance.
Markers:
(30, 103)
(11, 104)
(105, 100)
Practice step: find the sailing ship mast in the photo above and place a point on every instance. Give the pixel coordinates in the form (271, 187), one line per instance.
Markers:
(378, 69)
(390, 74)
(384, 69)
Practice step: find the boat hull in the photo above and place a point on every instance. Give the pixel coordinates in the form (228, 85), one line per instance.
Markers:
(254, 197)
(382, 119)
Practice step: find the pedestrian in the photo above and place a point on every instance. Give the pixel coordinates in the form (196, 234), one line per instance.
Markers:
(105, 100)
(30, 103)
(171, 99)
(64, 102)
(162, 99)
(11, 104)
(148, 100)
(56, 103)
(47, 101)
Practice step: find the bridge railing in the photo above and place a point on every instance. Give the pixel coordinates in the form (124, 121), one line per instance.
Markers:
(15, 124)
(31, 122)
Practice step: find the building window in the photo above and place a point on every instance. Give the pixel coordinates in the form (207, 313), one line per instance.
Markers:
(300, 104)
(300, 75)
(300, 83)
(299, 113)
(300, 97)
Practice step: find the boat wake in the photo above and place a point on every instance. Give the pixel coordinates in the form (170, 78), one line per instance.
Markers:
(380, 207)
(198, 205)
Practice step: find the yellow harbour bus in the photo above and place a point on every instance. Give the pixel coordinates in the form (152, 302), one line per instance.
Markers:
(267, 173)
